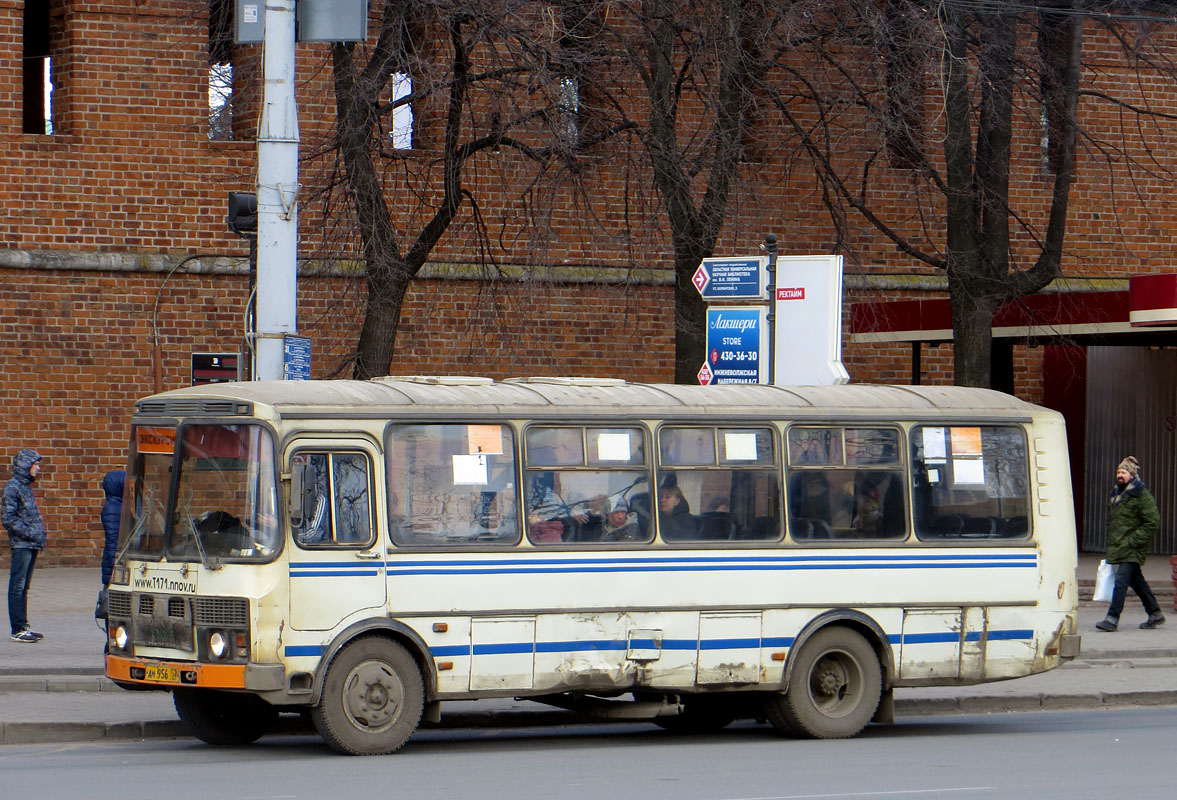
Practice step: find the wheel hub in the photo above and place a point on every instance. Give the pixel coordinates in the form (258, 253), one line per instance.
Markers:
(828, 683)
(373, 696)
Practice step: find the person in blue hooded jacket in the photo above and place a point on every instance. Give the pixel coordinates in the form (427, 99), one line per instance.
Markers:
(26, 538)
(112, 511)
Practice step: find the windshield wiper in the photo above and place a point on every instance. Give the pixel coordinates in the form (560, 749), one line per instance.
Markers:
(210, 564)
(134, 535)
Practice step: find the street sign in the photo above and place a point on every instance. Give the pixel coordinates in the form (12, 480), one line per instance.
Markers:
(705, 374)
(732, 278)
(807, 321)
(318, 21)
(296, 358)
(213, 368)
(737, 345)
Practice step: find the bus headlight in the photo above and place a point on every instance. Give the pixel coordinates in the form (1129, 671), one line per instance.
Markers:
(120, 637)
(217, 646)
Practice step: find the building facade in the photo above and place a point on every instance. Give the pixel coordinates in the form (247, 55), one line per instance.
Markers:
(117, 269)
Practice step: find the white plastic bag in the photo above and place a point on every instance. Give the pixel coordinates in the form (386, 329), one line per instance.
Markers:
(1105, 582)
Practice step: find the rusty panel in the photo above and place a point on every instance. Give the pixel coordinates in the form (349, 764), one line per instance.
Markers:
(1131, 410)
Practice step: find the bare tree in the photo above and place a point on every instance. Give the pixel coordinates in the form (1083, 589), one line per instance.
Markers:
(991, 67)
(454, 54)
(934, 100)
(676, 76)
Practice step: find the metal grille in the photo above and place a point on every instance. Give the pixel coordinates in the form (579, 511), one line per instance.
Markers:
(1139, 423)
(147, 605)
(118, 604)
(175, 408)
(177, 606)
(220, 611)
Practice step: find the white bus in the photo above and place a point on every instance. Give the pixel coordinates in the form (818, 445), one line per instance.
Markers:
(366, 550)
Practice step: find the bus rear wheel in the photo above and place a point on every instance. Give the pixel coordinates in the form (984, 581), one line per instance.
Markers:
(834, 687)
(372, 699)
(224, 718)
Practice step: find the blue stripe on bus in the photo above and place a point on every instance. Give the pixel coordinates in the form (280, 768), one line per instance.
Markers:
(1019, 557)
(769, 642)
(668, 563)
(1005, 635)
(690, 568)
(728, 644)
(503, 648)
(929, 638)
(778, 641)
(599, 644)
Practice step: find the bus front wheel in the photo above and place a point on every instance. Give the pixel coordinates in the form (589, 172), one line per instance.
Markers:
(224, 718)
(834, 687)
(372, 699)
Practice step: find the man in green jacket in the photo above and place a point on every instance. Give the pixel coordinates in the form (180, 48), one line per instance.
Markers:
(1133, 520)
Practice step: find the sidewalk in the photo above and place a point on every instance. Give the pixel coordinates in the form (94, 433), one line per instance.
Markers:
(55, 691)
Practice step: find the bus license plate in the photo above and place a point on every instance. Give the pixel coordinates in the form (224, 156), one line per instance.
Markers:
(162, 674)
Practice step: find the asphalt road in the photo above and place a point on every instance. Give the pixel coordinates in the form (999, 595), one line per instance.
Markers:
(1072, 755)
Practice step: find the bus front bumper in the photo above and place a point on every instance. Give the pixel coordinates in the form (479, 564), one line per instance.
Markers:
(162, 674)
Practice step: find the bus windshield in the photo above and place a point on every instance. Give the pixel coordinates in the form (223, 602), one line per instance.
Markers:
(225, 504)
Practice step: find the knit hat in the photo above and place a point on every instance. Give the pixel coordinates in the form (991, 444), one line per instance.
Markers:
(1130, 465)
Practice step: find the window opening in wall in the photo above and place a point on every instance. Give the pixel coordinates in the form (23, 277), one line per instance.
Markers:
(402, 114)
(220, 70)
(567, 111)
(37, 69)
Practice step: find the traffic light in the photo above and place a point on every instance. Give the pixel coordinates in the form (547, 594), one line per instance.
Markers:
(242, 217)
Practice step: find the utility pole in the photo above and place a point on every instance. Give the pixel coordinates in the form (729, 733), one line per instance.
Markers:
(277, 194)
(771, 247)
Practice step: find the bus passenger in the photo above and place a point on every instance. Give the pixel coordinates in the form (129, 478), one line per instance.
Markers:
(620, 525)
(674, 515)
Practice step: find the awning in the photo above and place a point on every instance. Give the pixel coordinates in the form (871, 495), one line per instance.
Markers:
(1151, 301)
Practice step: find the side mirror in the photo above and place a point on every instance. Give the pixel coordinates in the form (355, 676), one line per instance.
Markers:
(296, 505)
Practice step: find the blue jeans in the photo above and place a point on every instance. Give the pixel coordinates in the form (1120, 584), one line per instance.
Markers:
(20, 575)
(1129, 574)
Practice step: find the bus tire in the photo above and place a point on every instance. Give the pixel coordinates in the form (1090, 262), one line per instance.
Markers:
(834, 687)
(373, 697)
(224, 718)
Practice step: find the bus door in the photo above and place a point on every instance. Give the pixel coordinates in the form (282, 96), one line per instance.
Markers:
(337, 557)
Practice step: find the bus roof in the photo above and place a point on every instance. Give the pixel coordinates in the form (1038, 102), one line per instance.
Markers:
(538, 397)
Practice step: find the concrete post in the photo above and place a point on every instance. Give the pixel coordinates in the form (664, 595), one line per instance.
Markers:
(277, 194)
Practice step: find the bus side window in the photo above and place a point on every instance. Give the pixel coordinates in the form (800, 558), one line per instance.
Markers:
(718, 484)
(845, 483)
(315, 525)
(353, 516)
(586, 485)
(336, 496)
(452, 485)
(970, 482)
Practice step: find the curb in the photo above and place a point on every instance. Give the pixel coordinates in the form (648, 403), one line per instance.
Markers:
(15, 733)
